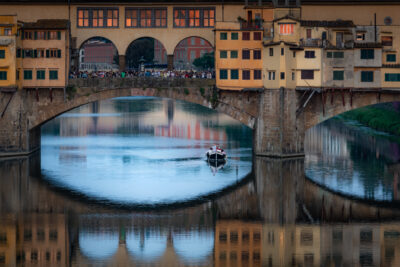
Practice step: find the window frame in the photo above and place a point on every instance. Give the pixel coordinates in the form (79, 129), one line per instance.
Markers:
(90, 18)
(257, 74)
(309, 54)
(246, 75)
(153, 17)
(304, 75)
(26, 76)
(336, 77)
(392, 55)
(257, 54)
(232, 52)
(223, 54)
(234, 34)
(225, 76)
(245, 36)
(41, 77)
(204, 14)
(367, 54)
(3, 75)
(225, 34)
(51, 77)
(257, 36)
(367, 76)
(246, 56)
(234, 77)
(2, 53)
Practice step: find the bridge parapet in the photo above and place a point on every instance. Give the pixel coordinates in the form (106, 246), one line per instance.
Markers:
(140, 82)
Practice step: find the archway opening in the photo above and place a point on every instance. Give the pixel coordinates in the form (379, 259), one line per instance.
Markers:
(194, 53)
(98, 54)
(145, 53)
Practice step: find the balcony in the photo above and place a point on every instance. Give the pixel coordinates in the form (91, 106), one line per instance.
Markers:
(311, 42)
(253, 25)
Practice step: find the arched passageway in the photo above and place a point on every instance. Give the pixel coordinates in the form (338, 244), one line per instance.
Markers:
(194, 53)
(98, 54)
(146, 52)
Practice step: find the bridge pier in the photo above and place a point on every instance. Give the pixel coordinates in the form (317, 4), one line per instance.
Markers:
(15, 137)
(122, 62)
(279, 132)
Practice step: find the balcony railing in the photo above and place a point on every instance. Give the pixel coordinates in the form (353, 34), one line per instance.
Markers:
(251, 25)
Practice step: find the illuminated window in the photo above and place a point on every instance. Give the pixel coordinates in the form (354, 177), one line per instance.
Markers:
(194, 17)
(286, 28)
(387, 40)
(98, 17)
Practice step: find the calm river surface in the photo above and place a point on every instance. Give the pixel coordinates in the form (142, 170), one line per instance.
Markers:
(124, 182)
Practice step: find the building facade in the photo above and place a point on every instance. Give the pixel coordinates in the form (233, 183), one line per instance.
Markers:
(8, 47)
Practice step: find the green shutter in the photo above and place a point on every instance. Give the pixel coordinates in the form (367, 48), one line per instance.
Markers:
(234, 74)
(18, 52)
(47, 53)
(23, 53)
(2, 53)
(35, 35)
(338, 75)
(329, 54)
(48, 35)
(22, 35)
(59, 53)
(58, 35)
(35, 53)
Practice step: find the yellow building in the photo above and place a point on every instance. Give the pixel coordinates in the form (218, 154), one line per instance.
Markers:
(43, 54)
(7, 241)
(8, 44)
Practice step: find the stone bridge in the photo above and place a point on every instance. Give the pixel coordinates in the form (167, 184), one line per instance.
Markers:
(278, 117)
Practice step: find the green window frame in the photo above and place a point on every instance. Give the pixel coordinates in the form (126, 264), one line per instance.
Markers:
(367, 54)
(40, 75)
(53, 74)
(234, 36)
(367, 76)
(338, 54)
(27, 74)
(223, 54)
(391, 57)
(223, 74)
(329, 54)
(392, 77)
(3, 75)
(235, 74)
(338, 75)
(234, 54)
(2, 53)
(223, 36)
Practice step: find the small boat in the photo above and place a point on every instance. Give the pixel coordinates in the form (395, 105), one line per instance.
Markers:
(215, 153)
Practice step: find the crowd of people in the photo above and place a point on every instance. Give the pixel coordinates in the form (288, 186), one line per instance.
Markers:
(148, 73)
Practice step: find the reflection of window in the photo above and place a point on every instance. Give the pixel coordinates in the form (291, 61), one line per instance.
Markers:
(3, 236)
(27, 232)
(366, 235)
(234, 235)
(194, 17)
(286, 28)
(222, 235)
(387, 40)
(83, 18)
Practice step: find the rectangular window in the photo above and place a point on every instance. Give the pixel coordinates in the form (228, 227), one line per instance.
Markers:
(256, 54)
(271, 52)
(223, 36)
(97, 18)
(234, 54)
(246, 36)
(271, 75)
(53, 74)
(282, 75)
(41, 35)
(338, 75)
(307, 74)
(28, 35)
(2, 53)
(392, 77)
(40, 74)
(223, 54)
(146, 17)
(338, 54)
(257, 36)
(7, 32)
(201, 17)
(391, 57)
(40, 53)
(293, 76)
(294, 54)
(234, 36)
(360, 36)
(282, 51)
(27, 74)
(367, 76)
(286, 28)
(367, 54)
(234, 74)
(257, 74)
(329, 54)
(53, 35)
(3, 75)
(223, 74)
(28, 53)
(245, 54)
(17, 75)
(387, 40)
(246, 74)
(309, 54)
(308, 33)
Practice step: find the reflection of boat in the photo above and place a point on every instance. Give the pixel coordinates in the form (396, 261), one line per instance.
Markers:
(216, 154)
(216, 165)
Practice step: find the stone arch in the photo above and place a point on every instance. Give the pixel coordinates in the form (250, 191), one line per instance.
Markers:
(103, 45)
(185, 47)
(158, 48)
(330, 104)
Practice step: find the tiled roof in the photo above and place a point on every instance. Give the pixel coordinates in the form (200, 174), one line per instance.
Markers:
(46, 24)
(327, 23)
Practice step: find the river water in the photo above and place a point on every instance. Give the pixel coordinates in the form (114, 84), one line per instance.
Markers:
(124, 182)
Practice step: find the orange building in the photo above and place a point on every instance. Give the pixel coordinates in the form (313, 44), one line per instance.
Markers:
(43, 54)
(238, 53)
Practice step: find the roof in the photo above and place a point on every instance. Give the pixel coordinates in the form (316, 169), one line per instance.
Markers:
(327, 23)
(287, 17)
(46, 24)
(278, 43)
